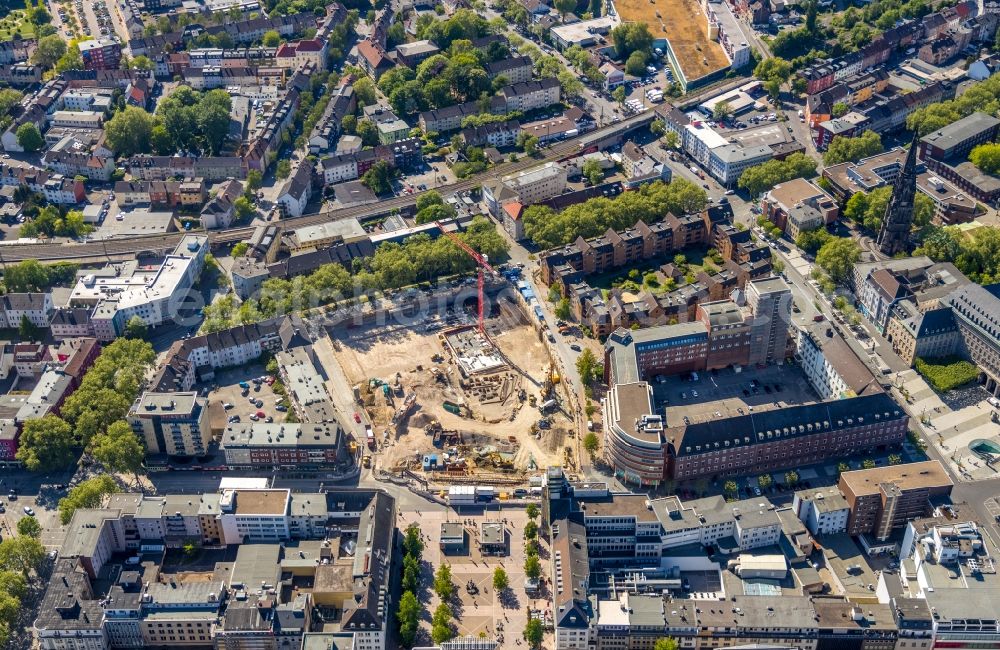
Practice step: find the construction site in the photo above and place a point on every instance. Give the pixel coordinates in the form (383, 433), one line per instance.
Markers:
(456, 403)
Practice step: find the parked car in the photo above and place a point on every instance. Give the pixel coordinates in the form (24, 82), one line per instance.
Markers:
(28, 511)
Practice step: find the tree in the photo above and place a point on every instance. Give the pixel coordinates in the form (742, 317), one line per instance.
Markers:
(619, 94)
(530, 530)
(843, 467)
(29, 527)
(528, 143)
(533, 634)
(532, 511)
(593, 172)
(46, 444)
(118, 449)
(730, 488)
(441, 630)
(428, 199)
(214, 110)
(671, 140)
(408, 616)
(532, 567)
(764, 481)
(31, 276)
(443, 586)
(868, 463)
(562, 309)
(843, 149)
(21, 554)
(500, 580)
(837, 257)
(791, 477)
(774, 68)
(271, 38)
(591, 444)
(986, 157)
(412, 544)
(71, 59)
(773, 89)
(894, 459)
(29, 138)
(378, 178)
(635, 65)
(665, 643)
(49, 50)
(632, 37)
(411, 573)
(811, 241)
(588, 365)
(130, 131)
(255, 180)
(722, 110)
(564, 7)
(282, 170)
(760, 178)
(87, 494)
(244, 209)
(364, 90)
(135, 328)
(26, 329)
(839, 109)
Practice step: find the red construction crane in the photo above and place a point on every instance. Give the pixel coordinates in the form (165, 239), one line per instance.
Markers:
(480, 260)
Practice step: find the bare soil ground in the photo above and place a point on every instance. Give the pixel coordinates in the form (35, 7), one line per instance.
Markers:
(684, 24)
(390, 350)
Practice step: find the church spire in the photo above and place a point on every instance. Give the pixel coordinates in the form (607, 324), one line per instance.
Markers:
(894, 234)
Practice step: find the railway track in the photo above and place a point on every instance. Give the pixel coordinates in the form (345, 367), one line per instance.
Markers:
(96, 250)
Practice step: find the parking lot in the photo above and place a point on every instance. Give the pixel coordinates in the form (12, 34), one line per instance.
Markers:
(229, 391)
(477, 608)
(731, 393)
(38, 494)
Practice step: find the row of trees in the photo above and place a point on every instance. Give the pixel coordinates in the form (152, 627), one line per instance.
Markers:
(31, 276)
(976, 254)
(419, 259)
(760, 178)
(186, 120)
(408, 614)
(983, 96)
(20, 556)
(843, 149)
(52, 221)
(533, 631)
(93, 417)
(651, 203)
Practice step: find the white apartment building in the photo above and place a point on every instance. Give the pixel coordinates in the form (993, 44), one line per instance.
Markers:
(824, 512)
(254, 515)
(527, 187)
(154, 295)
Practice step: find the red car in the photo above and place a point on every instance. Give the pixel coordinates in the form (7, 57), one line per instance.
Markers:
(357, 417)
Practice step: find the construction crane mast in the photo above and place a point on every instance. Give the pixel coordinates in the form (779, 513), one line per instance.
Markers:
(481, 262)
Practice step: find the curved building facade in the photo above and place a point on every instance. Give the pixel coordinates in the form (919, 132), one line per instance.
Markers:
(633, 439)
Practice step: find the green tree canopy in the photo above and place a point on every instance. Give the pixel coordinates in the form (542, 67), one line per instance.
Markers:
(986, 157)
(760, 178)
(843, 149)
(838, 256)
(29, 137)
(87, 494)
(46, 444)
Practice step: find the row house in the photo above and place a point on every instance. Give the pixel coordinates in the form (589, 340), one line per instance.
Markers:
(850, 92)
(90, 165)
(161, 193)
(450, 118)
(20, 74)
(17, 49)
(531, 95)
(495, 134)
(214, 57)
(346, 167)
(515, 70)
(56, 188)
(295, 54)
(161, 168)
(210, 78)
(324, 135)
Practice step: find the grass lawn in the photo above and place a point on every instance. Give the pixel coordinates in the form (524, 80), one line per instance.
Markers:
(635, 279)
(947, 373)
(14, 22)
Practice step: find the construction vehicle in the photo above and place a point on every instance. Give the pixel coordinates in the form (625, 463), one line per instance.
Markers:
(370, 435)
(452, 407)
